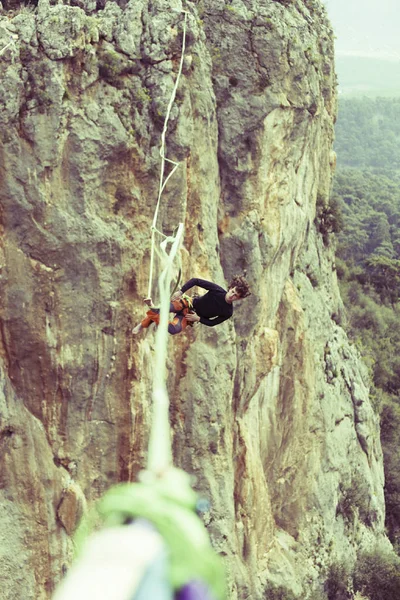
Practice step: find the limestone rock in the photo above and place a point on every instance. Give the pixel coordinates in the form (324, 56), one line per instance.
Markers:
(270, 411)
(71, 507)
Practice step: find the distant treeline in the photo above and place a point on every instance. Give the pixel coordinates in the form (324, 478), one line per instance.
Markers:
(368, 133)
(367, 76)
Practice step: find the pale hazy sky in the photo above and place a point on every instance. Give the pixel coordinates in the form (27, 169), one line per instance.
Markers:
(366, 27)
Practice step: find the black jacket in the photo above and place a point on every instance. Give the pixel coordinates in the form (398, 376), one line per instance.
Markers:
(212, 308)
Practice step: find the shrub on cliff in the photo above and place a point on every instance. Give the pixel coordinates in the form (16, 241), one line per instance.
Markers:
(337, 582)
(329, 217)
(18, 5)
(355, 500)
(279, 593)
(390, 432)
(377, 575)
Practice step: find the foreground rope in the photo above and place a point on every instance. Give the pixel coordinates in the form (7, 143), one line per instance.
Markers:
(160, 453)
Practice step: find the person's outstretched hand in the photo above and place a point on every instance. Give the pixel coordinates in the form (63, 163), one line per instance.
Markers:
(192, 318)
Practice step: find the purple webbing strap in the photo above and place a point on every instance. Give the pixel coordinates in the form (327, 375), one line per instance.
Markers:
(195, 590)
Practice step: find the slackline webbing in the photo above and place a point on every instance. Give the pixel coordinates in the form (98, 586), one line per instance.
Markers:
(159, 452)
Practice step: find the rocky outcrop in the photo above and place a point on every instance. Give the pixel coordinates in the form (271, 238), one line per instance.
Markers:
(270, 411)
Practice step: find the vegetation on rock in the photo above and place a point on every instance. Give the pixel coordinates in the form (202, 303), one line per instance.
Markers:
(367, 187)
(378, 575)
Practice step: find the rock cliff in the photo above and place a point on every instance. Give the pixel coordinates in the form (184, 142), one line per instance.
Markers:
(270, 411)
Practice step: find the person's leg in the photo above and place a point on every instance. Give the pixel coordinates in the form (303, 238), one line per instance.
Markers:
(152, 316)
(178, 324)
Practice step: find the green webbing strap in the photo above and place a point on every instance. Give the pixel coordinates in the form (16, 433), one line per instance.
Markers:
(168, 503)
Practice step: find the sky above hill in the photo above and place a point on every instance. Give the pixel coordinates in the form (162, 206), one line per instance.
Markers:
(368, 28)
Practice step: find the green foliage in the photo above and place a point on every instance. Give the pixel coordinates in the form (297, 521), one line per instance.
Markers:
(390, 431)
(328, 217)
(378, 575)
(19, 6)
(370, 280)
(376, 330)
(278, 593)
(384, 274)
(143, 96)
(355, 500)
(284, 2)
(216, 57)
(368, 267)
(368, 132)
(371, 214)
(114, 65)
(337, 582)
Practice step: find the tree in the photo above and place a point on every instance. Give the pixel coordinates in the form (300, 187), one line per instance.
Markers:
(384, 274)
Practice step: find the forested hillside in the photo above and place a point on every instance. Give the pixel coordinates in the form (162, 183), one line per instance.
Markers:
(367, 190)
(368, 133)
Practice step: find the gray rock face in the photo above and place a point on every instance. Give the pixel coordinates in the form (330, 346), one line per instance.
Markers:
(270, 410)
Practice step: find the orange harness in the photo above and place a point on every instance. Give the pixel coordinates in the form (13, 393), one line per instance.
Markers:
(180, 307)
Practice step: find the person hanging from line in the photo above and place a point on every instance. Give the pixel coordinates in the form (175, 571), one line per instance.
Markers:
(213, 308)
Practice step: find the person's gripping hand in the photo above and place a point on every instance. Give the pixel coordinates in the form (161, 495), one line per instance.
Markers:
(192, 318)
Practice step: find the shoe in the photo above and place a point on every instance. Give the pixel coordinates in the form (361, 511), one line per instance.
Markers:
(137, 329)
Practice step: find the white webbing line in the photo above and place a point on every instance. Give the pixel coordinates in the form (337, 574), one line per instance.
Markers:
(13, 38)
(160, 452)
(163, 159)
